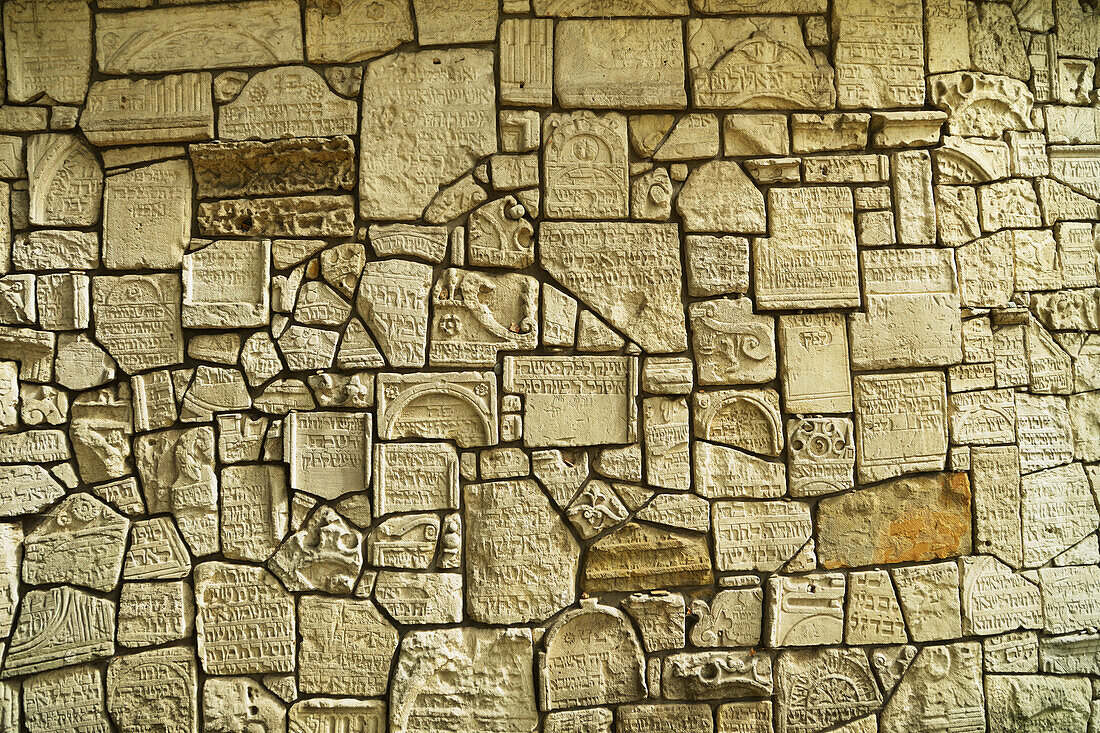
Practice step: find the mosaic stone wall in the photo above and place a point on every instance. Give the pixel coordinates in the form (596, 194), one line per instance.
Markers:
(575, 366)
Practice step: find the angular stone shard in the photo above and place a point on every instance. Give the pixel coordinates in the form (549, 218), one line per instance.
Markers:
(177, 474)
(154, 690)
(220, 35)
(174, 108)
(279, 167)
(995, 600)
(231, 703)
(929, 596)
(641, 264)
(246, 620)
(591, 657)
(347, 647)
(464, 680)
(448, 121)
(638, 557)
(325, 554)
(11, 541)
(80, 542)
(26, 489)
(873, 614)
(59, 627)
(254, 511)
(393, 301)
(719, 197)
(757, 62)
(957, 667)
(157, 551)
(733, 618)
(598, 64)
(585, 166)
(355, 30)
(803, 675)
(727, 473)
(523, 560)
(1057, 512)
(1023, 702)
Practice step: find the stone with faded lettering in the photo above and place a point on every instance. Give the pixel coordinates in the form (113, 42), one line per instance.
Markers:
(819, 689)
(231, 704)
(585, 166)
(956, 667)
(591, 657)
(756, 62)
(355, 30)
(177, 474)
(805, 610)
(929, 596)
(465, 680)
(888, 446)
(154, 691)
(448, 121)
(66, 181)
(758, 535)
(137, 319)
(155, 613)
(328, 452)
(621, 64)
(347, 647)
(628, 272)
(220, 35)
(459, 406)
(742, 418)
(522, 559)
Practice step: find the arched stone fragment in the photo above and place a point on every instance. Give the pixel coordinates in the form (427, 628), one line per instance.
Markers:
(592, 657)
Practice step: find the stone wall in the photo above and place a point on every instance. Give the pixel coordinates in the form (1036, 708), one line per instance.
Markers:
(722, 366)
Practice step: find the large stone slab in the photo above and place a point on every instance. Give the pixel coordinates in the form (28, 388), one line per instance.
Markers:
(279, 167)
(621, 64)
(447, 121)
(290, 101)
(217, 36)
(913, 519)
(522, 559)
(464, 680)
(173, 108)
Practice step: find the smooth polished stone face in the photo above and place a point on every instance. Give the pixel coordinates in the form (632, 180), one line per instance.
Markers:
(577, 366)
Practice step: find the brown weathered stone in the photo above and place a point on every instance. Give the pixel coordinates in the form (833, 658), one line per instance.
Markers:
(302, 165)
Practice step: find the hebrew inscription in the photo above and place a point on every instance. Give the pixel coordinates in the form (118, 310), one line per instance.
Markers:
(549, 366)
